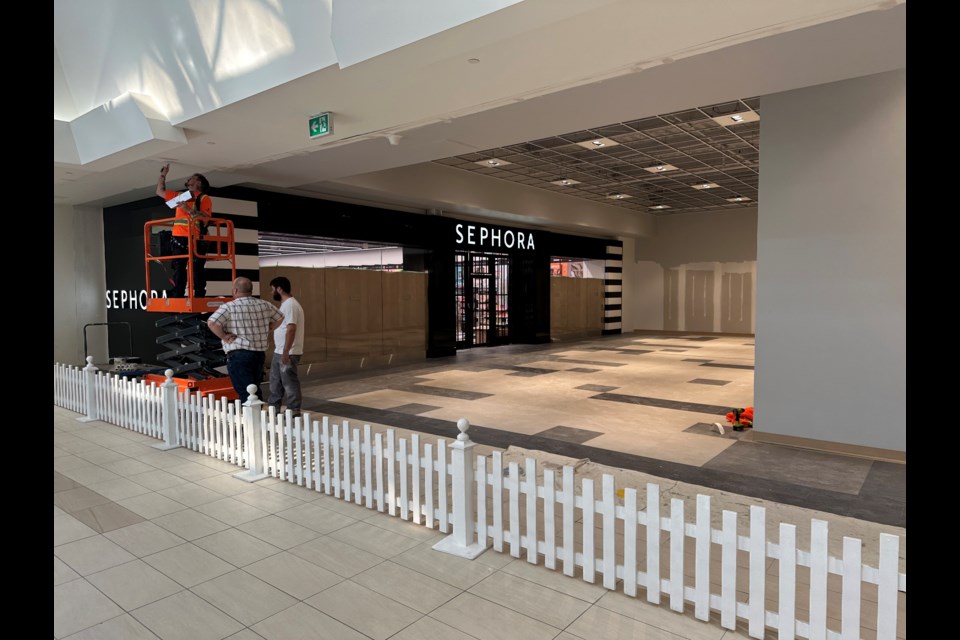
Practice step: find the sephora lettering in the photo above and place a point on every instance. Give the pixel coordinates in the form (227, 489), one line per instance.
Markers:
(132, 299)
(487, 237)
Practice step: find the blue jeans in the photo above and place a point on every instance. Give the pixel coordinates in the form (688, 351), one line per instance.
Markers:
(245, 368)
(284, 381)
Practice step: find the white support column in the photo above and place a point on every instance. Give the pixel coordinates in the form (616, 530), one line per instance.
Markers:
(89, 385)
(253, 428)
(462, 542)
(168, 392)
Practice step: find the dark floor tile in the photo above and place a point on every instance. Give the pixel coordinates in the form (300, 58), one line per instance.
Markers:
(701, 338)
(526, 372)
(63, 483)
(886, 479)
(77, 499)
(671, 346)
(663, 403)
(569, 434)
(710, 429)
(414, 408)
(596, 387)
(107, 517)
(728, 366)
(717, 383)
(596, 363)
(696, 360)
(583, 370)
(442, 392)
(674, 350)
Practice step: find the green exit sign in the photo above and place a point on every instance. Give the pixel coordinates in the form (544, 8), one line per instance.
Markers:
(321, 125)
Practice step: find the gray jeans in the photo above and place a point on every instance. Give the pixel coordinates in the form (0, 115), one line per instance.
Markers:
(284, 380)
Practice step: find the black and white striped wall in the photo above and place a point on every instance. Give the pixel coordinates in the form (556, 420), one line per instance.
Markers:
(243, 215)
(613, 290)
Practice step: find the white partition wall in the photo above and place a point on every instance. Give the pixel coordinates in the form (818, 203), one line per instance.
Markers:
(831, 263)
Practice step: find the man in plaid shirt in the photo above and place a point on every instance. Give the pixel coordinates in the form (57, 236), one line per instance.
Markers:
(244, 325)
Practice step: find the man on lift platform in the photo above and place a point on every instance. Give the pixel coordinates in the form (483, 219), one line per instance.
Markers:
(192, 214)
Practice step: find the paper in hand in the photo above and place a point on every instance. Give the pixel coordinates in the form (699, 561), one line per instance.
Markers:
(183, 197)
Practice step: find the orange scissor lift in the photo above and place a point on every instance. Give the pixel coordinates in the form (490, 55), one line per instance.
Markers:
(192, 351)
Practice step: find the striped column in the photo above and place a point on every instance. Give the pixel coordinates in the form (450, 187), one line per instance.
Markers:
(243, 214)
(613, 289)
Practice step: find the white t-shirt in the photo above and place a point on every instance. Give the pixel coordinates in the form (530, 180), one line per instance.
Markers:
(292, 314)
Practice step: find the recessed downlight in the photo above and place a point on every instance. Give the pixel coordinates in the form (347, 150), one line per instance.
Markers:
(619, 196)
(705, 185)
(598, 143)
(660, 206)
(661, 167)
(492, 163)
(565, 182)
(731, 119)
(738, 199)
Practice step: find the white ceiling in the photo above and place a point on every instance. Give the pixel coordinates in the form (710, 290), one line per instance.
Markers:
(546, 67)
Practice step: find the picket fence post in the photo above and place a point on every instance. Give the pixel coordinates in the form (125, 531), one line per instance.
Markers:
(168, 417)
(253, 426)
(462, 542)
(89, 384)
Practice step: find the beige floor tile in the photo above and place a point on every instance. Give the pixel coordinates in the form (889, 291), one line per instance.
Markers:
(488, 621)
(119, 489)
(661, 617)
(127, 467)
(292, 490)
(532, 600)
(160, 459)
(136, 450)
(151, 505)
(455, 571)
(375, 540)
(555, 579)
(107, 517)
(218, 465)
(188, 564)
(190, 494)
(292, 575)
(336, 556)
(63, 483)
(406, 586)
(600, 624)
(134, 584)
(186, 616)
(312, 516)
(89, 475)
(225, 484)
(157, 479)
(232, 511)
(77, 605)
(66, 529)
(244, 597)
(76, 499)
(303, 621)
(57, 511)
(190, 524)
(426, 628)
(123, 627)
(349, 509)
(246, 634)
(144, 539)
(101, 456)
(353, 605)
(278, 531)
(236, 547)
(192, 471)
(92, 554)
(62, 573)
(70, 461)
(267, 500)
(407, 528)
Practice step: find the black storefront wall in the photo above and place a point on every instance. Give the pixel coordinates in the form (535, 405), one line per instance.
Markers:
(431, 240)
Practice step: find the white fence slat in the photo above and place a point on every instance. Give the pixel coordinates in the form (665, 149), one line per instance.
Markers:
(850, 597)
(345, 447)
(404, 495)
(496, 489)
(368, 465)
(335, 454)
(513, 497)
(630, 542)
(787, 611)
(758, 560)
(818, 580)
(702, 560)
(530, 491)
(309, 451)
(653, 543)
(297, 464)
(887, 586)
(357, 456)
(325, 450)
(443, 482)
(428, 471)
(391, 474)
(481, 499)
(728, 571)
(233, 411)
(609, 515)
(378, 463)
(549, 522)
(588, 506)
(569, 501)
(415, 476)
(677, 539)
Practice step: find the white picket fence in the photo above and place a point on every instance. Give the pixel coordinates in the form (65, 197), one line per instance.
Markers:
(556, 521)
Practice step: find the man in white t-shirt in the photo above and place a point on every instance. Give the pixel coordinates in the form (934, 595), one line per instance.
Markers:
(288, 341)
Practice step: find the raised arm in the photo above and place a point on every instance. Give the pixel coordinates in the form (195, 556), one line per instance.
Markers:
(162, 181)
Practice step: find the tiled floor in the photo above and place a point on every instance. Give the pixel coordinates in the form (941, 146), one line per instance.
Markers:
(152, 544)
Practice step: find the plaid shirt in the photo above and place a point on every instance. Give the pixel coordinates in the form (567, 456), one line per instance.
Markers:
(249, 318)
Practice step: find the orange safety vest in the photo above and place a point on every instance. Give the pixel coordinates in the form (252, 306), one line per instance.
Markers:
(181, 225)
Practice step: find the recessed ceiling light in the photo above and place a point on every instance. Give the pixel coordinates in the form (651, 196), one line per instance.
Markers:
(737, 118)
(565, 182)
(738, 199)
(598, 143)
(705, 185)
(660, 168)
(619, 196)
(473, 60)
(492, 162)
(660, 206)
